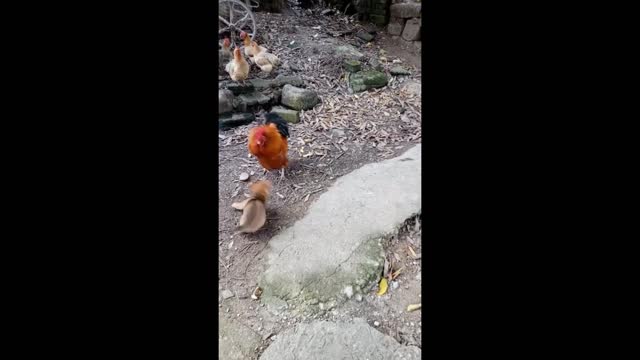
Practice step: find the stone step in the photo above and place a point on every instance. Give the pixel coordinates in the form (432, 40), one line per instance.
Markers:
(336, 341)
(365, 80)
(227, 121)
(237, 342)
(338, 244)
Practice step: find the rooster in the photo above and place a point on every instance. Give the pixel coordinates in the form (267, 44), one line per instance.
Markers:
(238, 67)
(269, 144)
(265, 60)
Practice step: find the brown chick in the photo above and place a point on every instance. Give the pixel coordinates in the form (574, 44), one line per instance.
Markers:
(254, 213)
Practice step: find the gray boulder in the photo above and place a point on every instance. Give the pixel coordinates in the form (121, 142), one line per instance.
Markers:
(298, 98)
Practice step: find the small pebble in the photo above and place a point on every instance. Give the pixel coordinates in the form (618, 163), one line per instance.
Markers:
(226, 294)
(358, 297)
(376, 323)
(348, 291)
(244, 176)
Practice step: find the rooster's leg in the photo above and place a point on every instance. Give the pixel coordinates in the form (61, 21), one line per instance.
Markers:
(282, 174)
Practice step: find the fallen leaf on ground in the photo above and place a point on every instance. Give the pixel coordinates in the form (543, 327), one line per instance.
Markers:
(383, 287)
(413, 253)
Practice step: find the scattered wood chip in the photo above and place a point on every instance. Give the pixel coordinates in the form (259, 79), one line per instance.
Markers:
(414, 307)
(395, 274)
(413, 253)
(385, 272)
(256, 293)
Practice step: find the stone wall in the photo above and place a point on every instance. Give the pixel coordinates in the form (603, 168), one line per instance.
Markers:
(402, 17)
(379, 11)
(272, 6)
(405, 20)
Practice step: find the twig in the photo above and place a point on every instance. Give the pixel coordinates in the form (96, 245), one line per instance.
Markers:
(336, 158)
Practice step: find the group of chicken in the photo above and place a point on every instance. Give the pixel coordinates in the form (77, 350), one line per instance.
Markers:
(267, 142)
(238, 67)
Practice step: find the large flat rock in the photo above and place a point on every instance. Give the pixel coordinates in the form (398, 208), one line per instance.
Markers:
(237, 342)
(324, 340)
(338, 244)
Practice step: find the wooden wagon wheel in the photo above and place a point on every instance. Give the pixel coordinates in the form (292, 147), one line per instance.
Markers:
(235, 16)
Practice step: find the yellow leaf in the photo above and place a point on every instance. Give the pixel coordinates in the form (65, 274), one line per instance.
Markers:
(383, 287)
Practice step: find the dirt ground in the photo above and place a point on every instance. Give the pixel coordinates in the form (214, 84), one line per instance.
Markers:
(342, 134)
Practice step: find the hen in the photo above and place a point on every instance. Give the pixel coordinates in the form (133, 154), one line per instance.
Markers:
(249, 50)
(269, 143)
(238, 68)
(225, 53)
(265, 60)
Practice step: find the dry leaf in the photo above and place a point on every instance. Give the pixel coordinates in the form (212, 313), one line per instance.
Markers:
(413, 253)
(395, 274)
(414, 307)
(383, 287)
